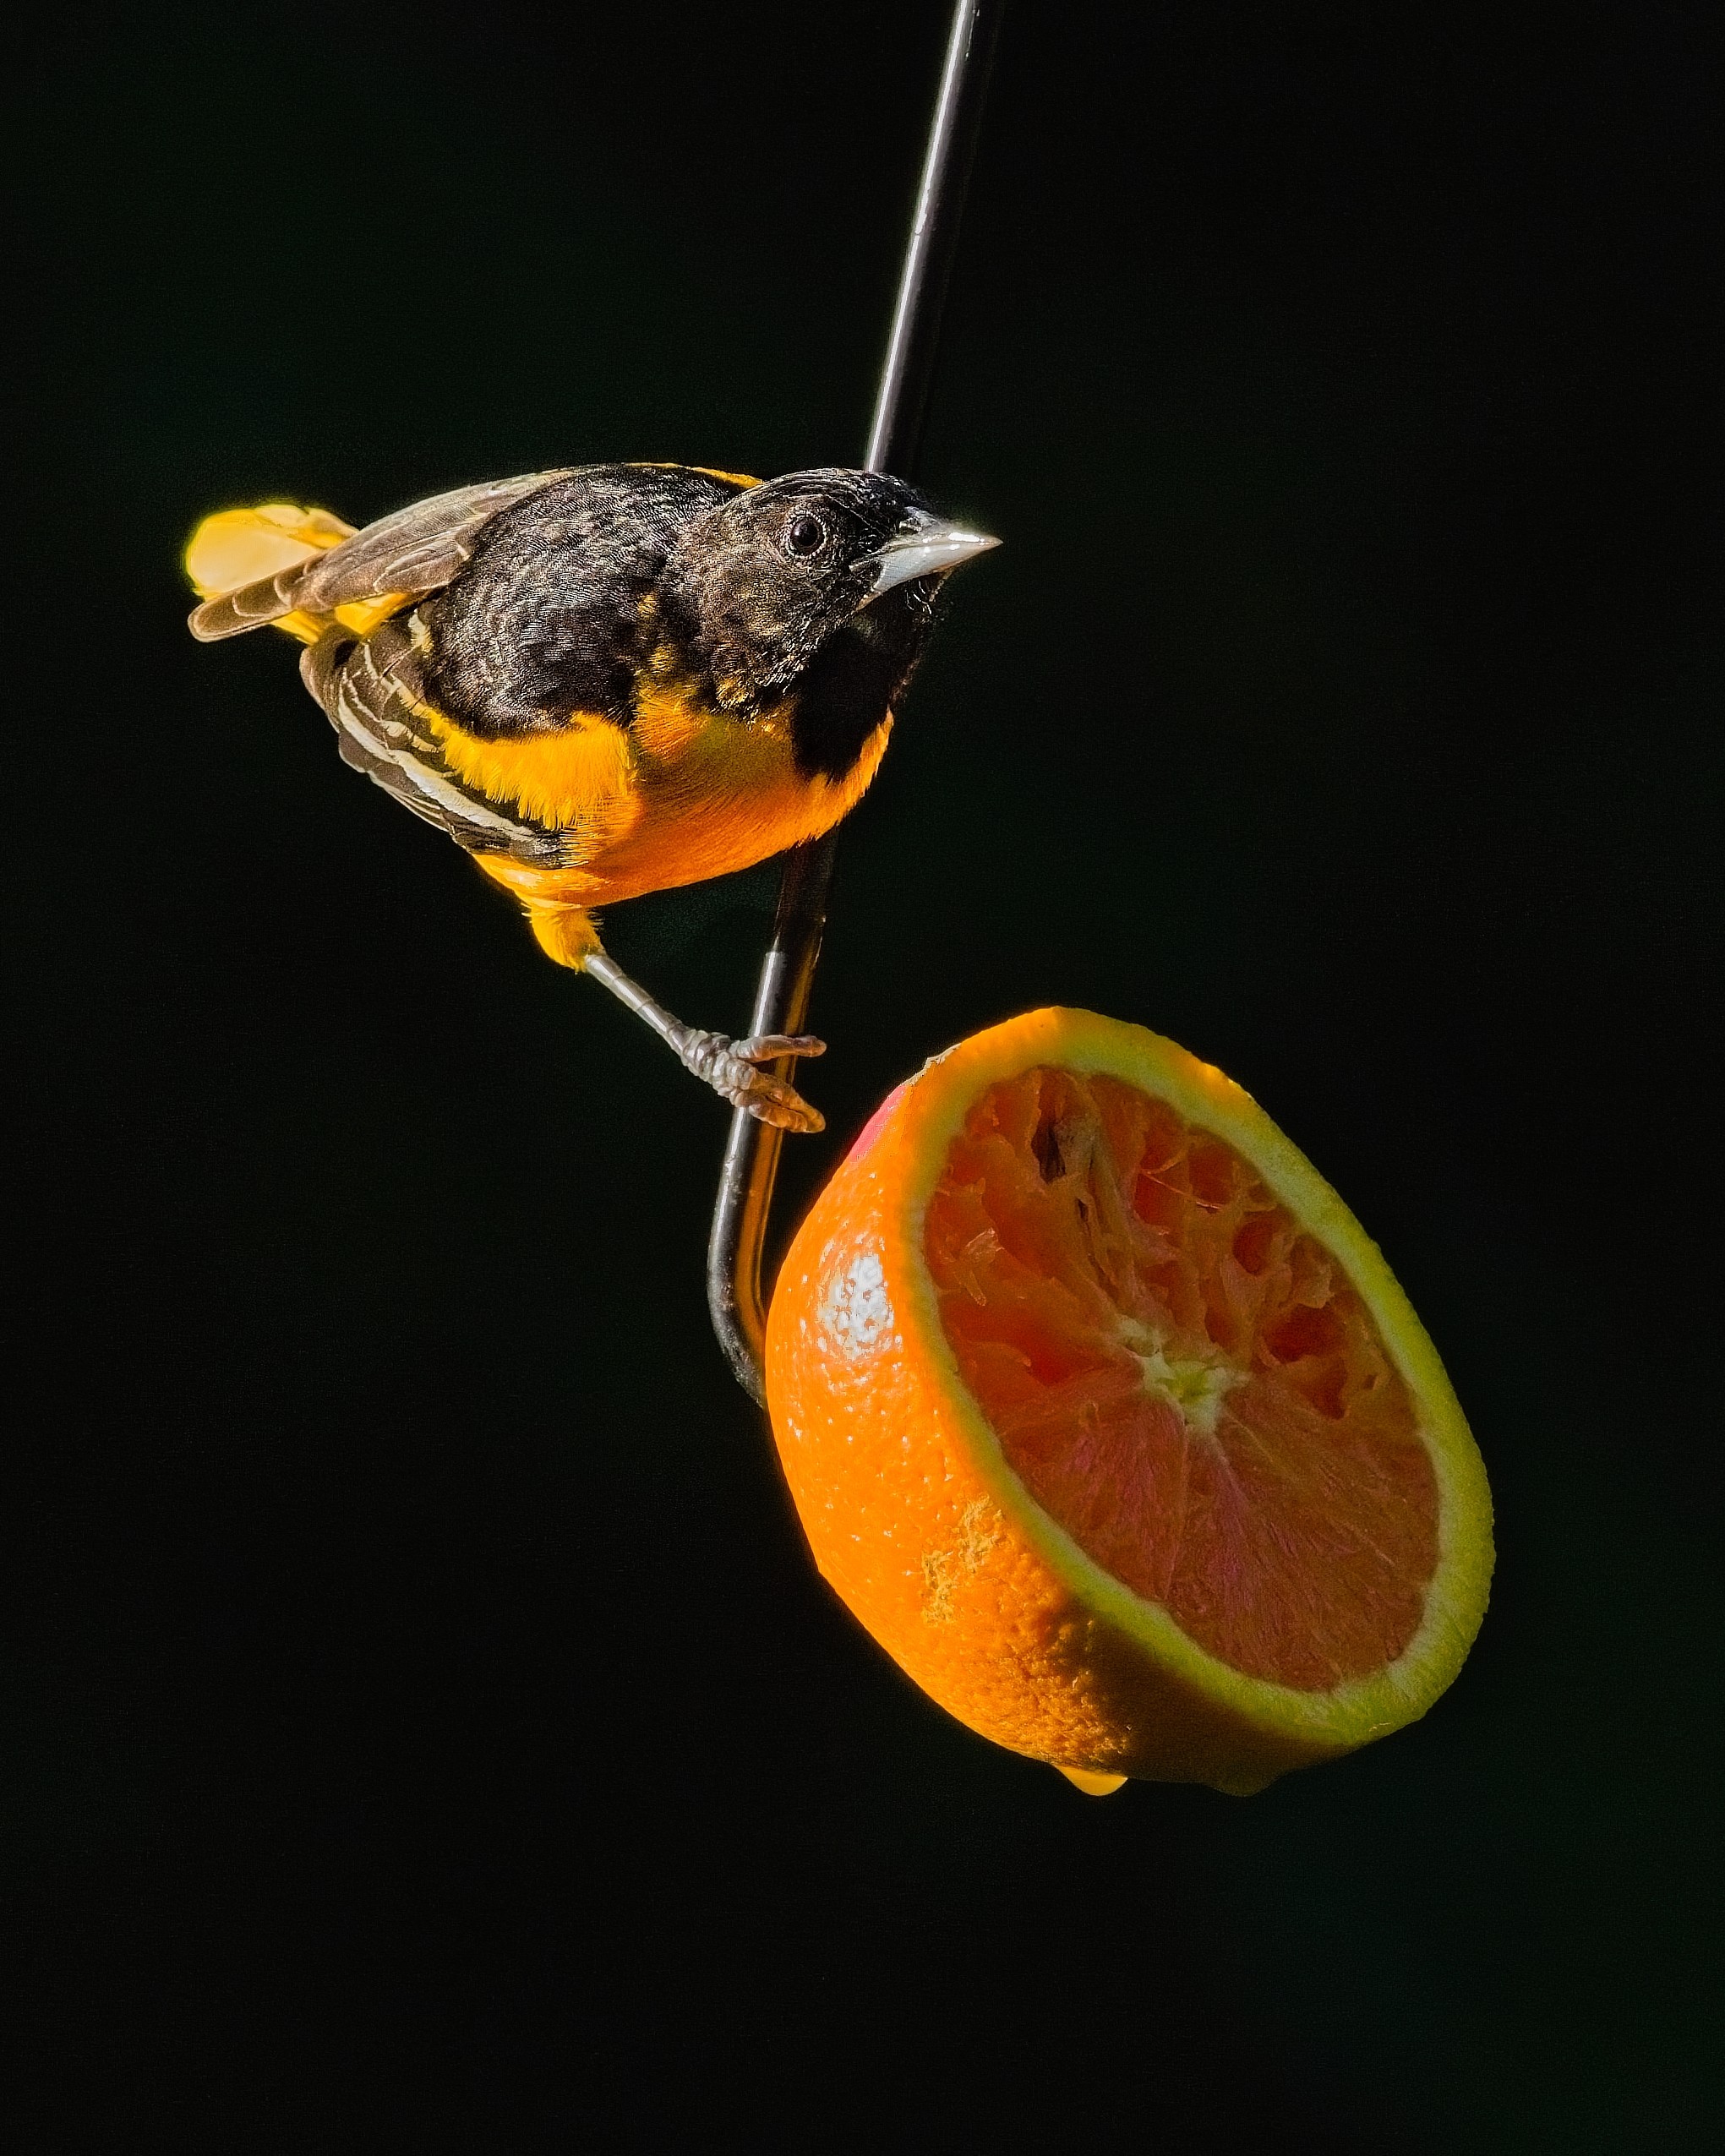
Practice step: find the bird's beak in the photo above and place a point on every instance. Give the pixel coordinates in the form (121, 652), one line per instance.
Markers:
(930, 549)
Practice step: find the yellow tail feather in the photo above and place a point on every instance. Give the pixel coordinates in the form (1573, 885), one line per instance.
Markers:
(239, 546)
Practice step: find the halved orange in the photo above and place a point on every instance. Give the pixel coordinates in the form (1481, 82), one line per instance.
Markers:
(1106, 1418)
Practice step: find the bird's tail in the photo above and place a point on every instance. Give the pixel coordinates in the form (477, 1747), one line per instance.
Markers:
(239, 546)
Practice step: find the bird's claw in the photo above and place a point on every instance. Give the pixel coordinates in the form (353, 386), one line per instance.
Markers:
(768, 1047)
(730, 1068)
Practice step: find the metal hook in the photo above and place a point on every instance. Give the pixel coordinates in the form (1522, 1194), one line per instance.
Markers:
(745, 1200)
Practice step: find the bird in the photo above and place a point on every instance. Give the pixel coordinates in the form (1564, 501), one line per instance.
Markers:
(609, 679)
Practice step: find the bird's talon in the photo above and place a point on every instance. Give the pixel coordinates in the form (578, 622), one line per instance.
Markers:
(769, 1047)
(716, 1062)
(770, 1100)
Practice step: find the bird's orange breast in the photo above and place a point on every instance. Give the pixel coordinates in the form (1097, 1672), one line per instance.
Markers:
(718, 795)
(686, 793)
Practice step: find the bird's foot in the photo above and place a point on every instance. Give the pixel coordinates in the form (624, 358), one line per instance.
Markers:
(731, 1068)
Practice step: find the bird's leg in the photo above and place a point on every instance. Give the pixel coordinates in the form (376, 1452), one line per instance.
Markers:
(729, 1066)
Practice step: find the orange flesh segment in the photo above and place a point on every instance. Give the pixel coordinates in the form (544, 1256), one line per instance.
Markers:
(1184, 1379)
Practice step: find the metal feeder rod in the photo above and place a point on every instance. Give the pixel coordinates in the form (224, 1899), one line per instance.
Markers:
(745, 1200)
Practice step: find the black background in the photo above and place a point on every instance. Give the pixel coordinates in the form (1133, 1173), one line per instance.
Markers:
(422, 1725)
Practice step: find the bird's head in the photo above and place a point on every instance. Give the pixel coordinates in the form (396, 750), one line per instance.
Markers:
(817, 590)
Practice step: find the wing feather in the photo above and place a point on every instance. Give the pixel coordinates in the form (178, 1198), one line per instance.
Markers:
(371, 694)
(408, 555)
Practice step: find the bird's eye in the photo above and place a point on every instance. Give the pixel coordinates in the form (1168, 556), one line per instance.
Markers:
(804, 536)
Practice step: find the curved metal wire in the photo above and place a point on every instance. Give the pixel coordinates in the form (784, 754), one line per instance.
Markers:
(744, 1199)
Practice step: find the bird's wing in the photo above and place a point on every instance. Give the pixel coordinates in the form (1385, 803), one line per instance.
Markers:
(408, 555)
(371, 692)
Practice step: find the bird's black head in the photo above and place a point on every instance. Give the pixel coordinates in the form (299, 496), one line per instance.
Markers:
(815, 592)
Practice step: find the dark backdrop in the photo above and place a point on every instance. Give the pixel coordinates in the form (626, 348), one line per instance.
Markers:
(422, 1725)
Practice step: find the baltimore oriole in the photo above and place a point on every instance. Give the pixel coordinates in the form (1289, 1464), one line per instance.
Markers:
(608, 681)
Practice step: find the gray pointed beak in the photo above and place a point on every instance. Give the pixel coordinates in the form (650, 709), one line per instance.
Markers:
(931, 550)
